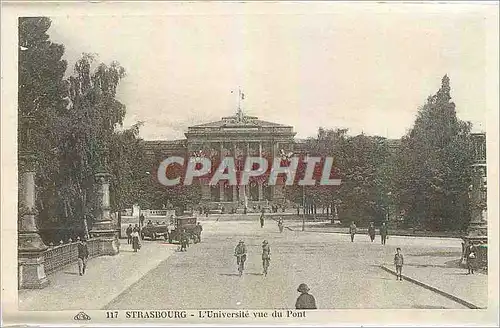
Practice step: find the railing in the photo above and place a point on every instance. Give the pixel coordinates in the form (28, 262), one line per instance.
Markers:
(56, 257)
(158, 212)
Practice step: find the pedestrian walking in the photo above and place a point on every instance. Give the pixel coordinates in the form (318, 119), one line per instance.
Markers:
(141, 220)
(262, 219)
(83, 255)
(184, 239)
(352, 230)
(266, 256)
(280, 224)
(371, 231)
(471, 256)
(398, 262)
(240, 252)
(383, 233)
(198, 230)
(136, 228)
(136, 242)
(305, 301)
(129, 234)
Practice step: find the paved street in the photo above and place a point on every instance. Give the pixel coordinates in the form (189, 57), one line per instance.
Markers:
(341, 274)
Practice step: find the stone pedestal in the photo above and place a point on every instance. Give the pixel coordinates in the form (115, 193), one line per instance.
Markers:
(31, 272)
(477, 232)
(103, 228)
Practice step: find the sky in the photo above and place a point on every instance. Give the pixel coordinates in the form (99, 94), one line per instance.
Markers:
(368, 71)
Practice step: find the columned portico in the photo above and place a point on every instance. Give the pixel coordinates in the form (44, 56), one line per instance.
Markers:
(239, 136)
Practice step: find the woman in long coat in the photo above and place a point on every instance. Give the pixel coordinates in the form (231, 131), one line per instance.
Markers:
(136, 243)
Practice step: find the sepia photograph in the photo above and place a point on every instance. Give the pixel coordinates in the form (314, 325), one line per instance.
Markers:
(245, 161)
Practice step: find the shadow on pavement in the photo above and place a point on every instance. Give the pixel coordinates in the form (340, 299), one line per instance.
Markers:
(230, 274)
(446, 265)
(71, 273)
(439, 254)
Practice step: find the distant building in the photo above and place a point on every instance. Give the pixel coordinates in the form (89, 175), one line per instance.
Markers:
(237, 136)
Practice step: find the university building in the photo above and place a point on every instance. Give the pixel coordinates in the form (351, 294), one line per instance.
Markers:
(237, 136)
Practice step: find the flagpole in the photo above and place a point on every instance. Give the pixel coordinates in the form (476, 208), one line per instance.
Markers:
(239, 99)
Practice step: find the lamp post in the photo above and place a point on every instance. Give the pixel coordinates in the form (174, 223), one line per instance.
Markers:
(30, 245)
(304, 199)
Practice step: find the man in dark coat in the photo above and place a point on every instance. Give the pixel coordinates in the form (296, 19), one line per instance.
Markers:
(129, 234)
(305, 301)
(199, 229)
(371, 231)
(262, 219)
(83, 255)
(383, 233)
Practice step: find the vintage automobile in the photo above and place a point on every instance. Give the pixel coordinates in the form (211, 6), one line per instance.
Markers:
(154, 231)
(182, 223)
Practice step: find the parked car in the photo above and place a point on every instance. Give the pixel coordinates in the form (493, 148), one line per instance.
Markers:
(183, 223)
(154, 231)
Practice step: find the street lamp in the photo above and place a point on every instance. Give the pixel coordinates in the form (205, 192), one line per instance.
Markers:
(304, 200)
(303, 207)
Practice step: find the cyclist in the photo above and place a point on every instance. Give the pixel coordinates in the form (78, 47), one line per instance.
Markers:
(241, 255)
(266, 256)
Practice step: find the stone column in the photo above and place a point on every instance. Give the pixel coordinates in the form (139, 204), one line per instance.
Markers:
(103, 227)
(477, 231)
(221, 193)
(261, 191)
(30, 246)
(205, 192)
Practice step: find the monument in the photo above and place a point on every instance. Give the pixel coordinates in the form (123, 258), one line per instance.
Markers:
(477, 231)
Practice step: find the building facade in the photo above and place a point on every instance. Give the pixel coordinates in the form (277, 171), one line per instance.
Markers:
(236, 136)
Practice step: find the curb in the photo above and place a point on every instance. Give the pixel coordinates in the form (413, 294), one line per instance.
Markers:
(440, 292)
(316, 230)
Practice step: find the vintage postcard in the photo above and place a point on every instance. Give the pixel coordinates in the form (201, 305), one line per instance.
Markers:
(250, 163)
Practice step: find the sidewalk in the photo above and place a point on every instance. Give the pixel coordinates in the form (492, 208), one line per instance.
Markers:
(441, 271)
(326, 227)
(105, 279)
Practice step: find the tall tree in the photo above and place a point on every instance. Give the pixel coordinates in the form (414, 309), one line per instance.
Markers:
(40, 103)
(433, 165)
(87, 132)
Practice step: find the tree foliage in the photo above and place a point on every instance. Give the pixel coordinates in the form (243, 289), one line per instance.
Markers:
(433, 171)
(74, 132)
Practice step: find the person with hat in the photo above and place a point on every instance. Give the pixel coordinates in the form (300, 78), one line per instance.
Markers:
(241, 255)
(129, 234)
(266, 256)
(305, 301)
(83, 255)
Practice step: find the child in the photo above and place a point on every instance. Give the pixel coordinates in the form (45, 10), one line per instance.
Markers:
(398, 262)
